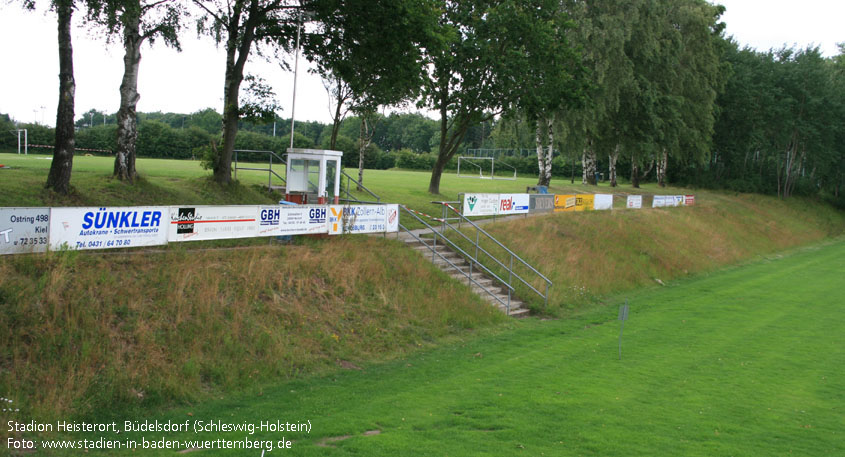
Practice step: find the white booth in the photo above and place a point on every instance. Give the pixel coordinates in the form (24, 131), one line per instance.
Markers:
(313, 176)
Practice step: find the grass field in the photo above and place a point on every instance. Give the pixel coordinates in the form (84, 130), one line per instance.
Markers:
(747, 361)
(184, 181)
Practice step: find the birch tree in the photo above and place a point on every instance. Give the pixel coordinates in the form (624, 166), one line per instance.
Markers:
(139, 22)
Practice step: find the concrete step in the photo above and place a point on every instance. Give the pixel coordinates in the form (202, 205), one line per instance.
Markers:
(518, 313)
(476, 280)
(482, 281)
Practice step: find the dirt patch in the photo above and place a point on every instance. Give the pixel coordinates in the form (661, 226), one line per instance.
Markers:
(333, 439)
(326, 442)
(346, 365)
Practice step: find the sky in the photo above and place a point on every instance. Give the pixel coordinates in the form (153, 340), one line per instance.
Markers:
(192, 80)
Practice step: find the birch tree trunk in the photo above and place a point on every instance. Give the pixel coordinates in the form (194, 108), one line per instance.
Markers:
(635, 173)
(538, 142)
(547, 176)
(365, 138)
(59, 177)
(612, 165)
(662, 161)
(588, 160)
(127, 128)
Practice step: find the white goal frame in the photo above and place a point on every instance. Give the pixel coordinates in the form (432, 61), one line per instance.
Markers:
(481, 169)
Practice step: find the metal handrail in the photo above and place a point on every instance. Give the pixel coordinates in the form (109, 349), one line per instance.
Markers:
(468, 275)
(509, 269)
(348, 195)
(468, 257)
(514, 256)
(269, 169)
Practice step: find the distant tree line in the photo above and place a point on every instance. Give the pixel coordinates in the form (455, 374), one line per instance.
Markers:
(648, 89)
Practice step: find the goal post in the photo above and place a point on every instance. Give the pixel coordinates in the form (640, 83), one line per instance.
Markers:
(485, 171)
(25, 140)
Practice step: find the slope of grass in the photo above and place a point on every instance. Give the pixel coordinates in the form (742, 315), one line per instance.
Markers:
(591, 254)
(83, 332)
(747, 361)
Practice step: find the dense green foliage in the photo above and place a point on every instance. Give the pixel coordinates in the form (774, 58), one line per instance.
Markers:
(664, 91)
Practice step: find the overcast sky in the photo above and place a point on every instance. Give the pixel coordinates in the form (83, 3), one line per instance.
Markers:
(193, 79)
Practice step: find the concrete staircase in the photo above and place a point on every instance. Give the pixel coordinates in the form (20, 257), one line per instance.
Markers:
(517, 307)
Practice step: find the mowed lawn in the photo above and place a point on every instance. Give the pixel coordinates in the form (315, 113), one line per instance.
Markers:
(166, 181)
(746, 361)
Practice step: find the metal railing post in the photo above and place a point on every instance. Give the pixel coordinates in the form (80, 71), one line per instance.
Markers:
(236, 165)
(469, 280)
(270, 174)
(510, 271)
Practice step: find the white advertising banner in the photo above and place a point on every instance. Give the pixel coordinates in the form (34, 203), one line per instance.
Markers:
(481, 204)
(280, 220)
(392, 219)
(110, 227)
(359, 218)
(24, 230)
(659, 201)
(635, 201)
(677, 200)
(514, 203)
(603, 201)
(195, 223)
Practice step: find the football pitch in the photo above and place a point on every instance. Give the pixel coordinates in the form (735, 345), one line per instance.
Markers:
(746, 361)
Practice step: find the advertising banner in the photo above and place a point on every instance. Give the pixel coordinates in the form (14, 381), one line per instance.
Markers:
(541, 203)
(603, 202)
(195, 223)
(513, 204)
(689, 200)
(635, 201)
(584, 202)
(677, 200)
(280, 220)
(111, 227)
(658, 201)
(564, 203)
(24, 230)
(392, 219)
(481, 204)
(359, 218)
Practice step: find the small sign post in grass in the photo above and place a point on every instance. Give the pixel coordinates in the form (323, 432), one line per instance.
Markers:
(623, 316)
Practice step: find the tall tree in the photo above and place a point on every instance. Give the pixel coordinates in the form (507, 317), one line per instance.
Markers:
(59, 177)
(139, 21)
(604, 30)
(242, 24)
(367, 70)
(476, 74)
(554, 80)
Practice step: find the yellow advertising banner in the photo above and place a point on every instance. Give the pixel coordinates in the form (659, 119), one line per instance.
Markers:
(564, 203)
(584, 202)
(580, 202)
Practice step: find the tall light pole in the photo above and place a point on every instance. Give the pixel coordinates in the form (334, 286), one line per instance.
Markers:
(295, 72)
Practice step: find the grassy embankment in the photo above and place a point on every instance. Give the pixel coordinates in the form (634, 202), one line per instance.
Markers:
(592, 254)
(83, 333)
(89, 331)
(746, 361)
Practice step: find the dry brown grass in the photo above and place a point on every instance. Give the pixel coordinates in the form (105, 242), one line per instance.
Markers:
(591, 254)
(86, 331)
